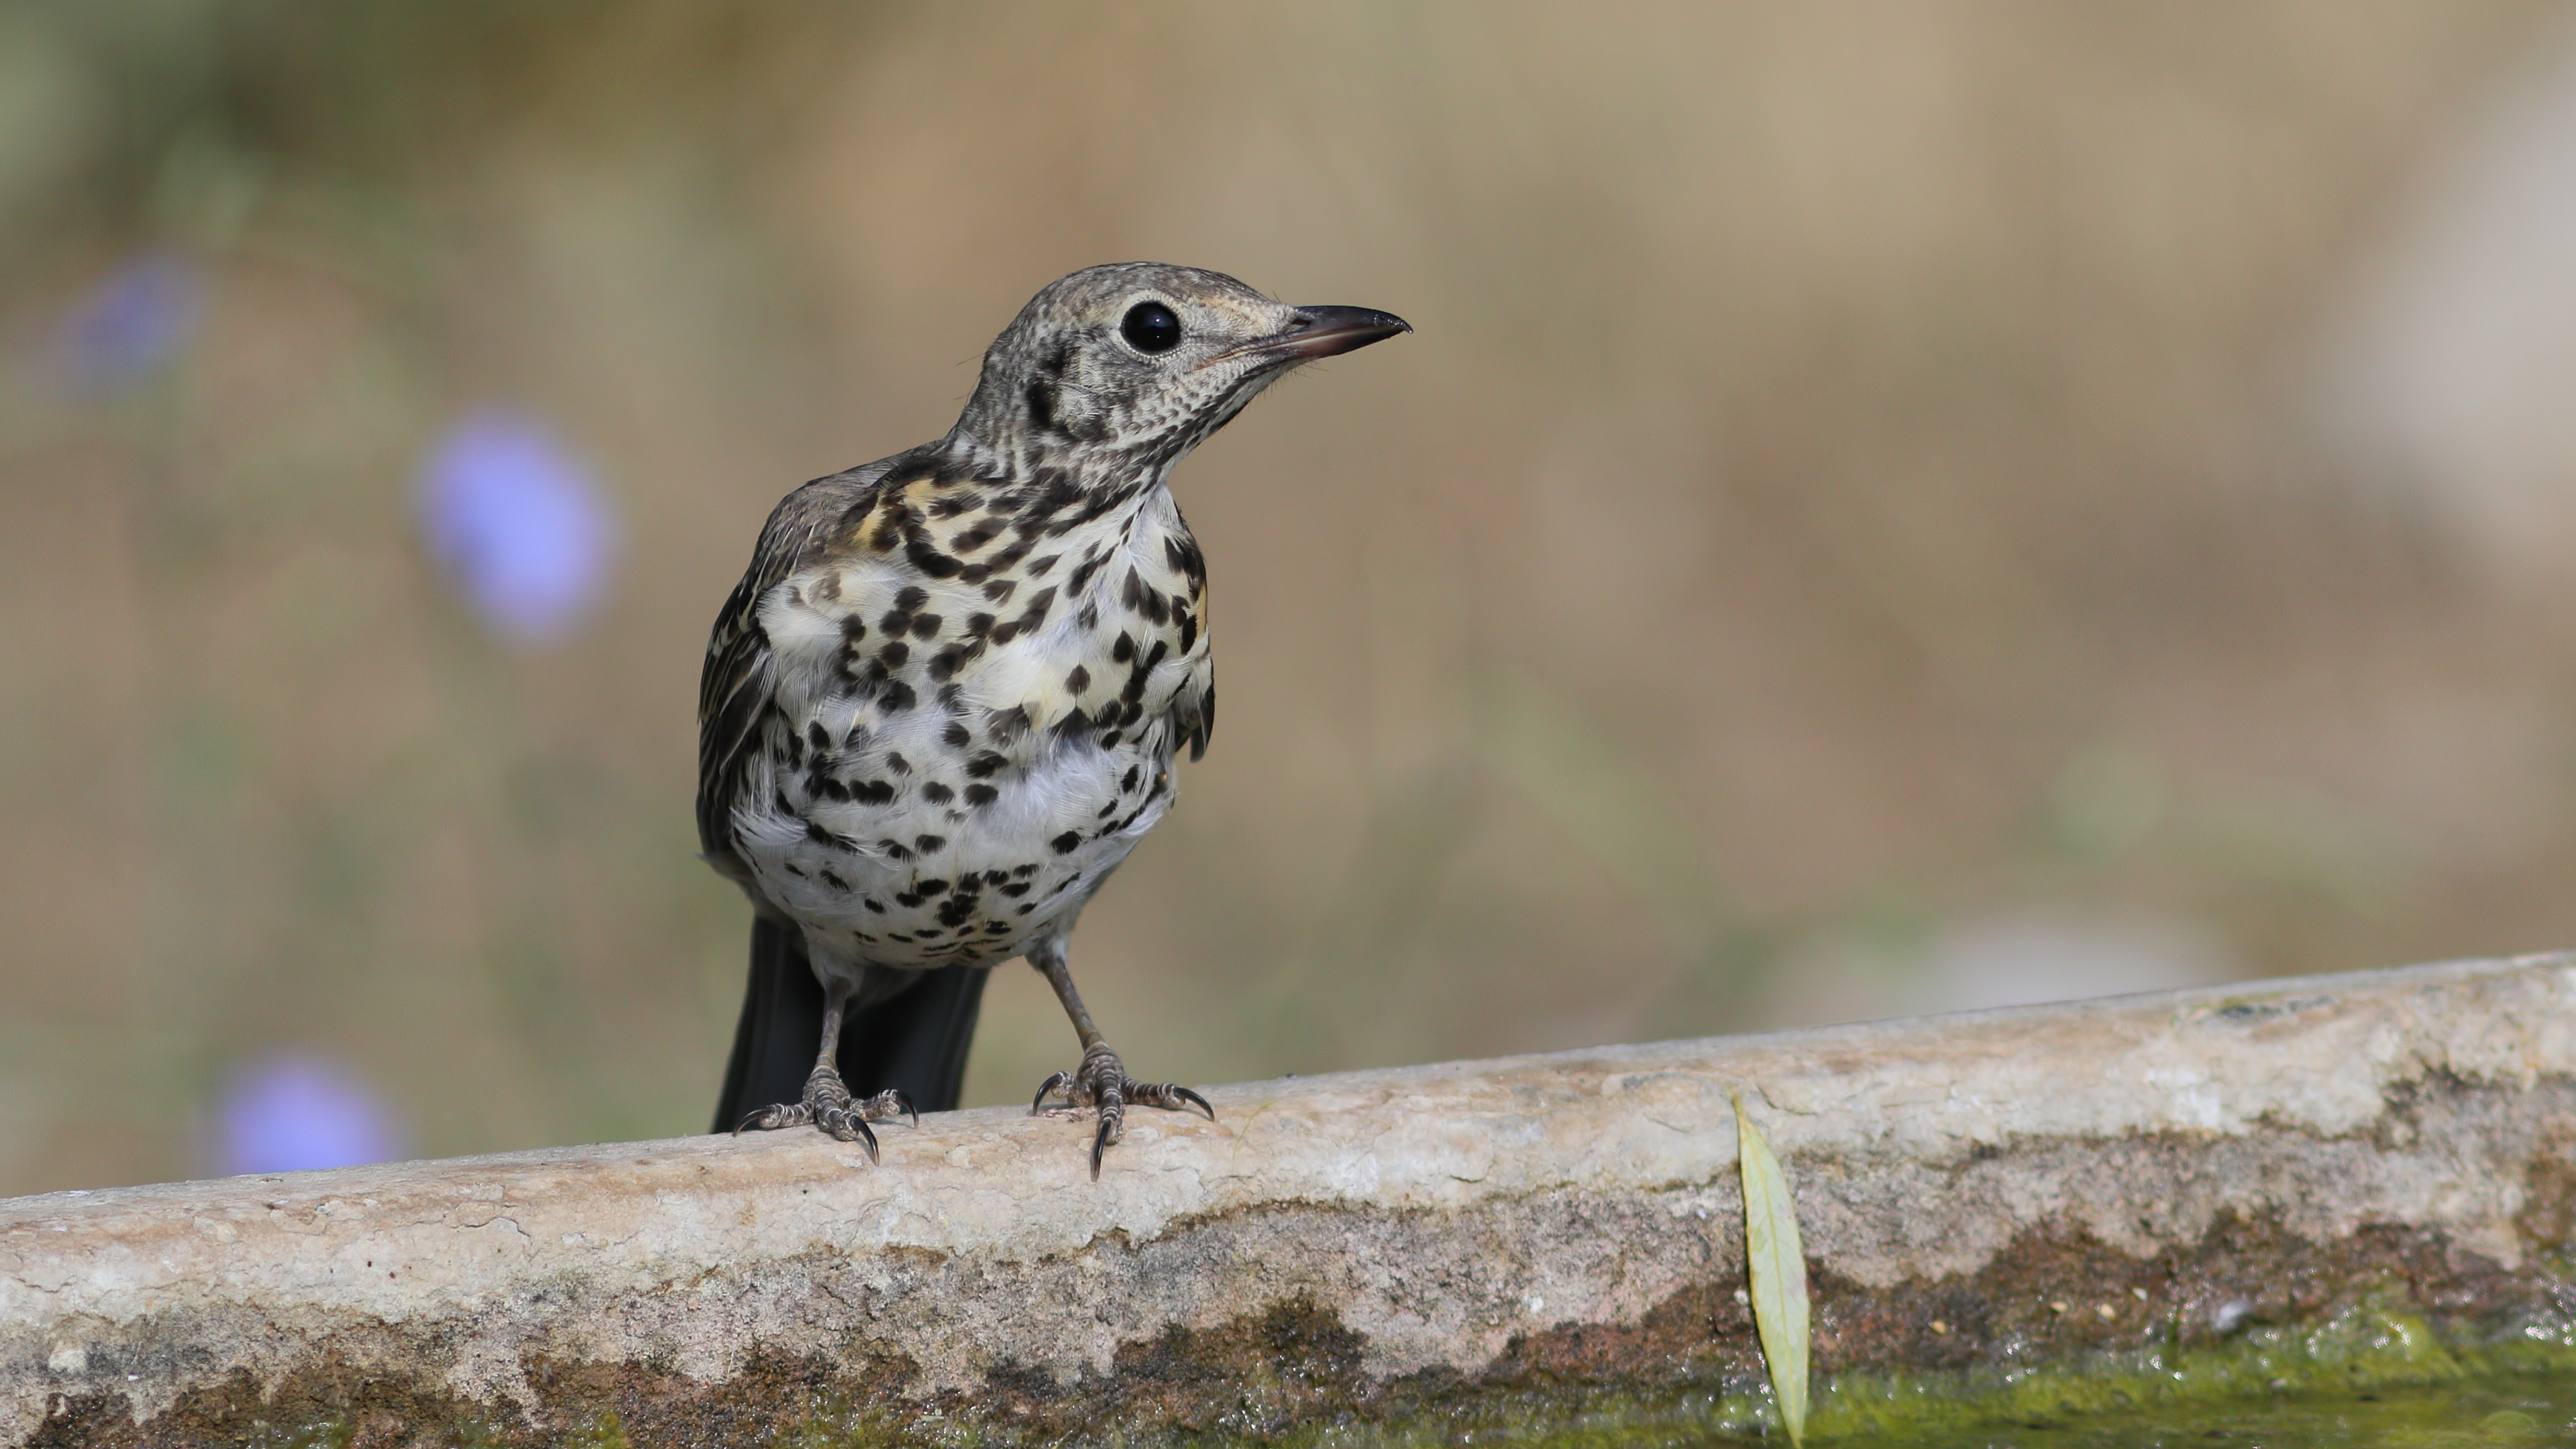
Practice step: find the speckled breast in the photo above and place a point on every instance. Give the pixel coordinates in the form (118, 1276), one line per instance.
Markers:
(977, 704)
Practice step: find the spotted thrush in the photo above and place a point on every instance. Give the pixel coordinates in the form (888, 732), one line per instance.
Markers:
(944, 702)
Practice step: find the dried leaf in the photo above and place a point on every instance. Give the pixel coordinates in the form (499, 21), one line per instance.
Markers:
(1778, 1265)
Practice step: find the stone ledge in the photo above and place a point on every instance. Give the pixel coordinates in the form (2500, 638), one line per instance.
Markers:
(1999, 1191)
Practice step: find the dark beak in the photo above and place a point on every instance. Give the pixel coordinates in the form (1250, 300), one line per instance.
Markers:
(1330, 332)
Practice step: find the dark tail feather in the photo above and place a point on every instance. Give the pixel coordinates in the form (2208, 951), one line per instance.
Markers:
(908, 1029)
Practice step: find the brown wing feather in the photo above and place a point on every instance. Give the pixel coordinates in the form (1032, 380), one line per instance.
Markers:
(734, 689)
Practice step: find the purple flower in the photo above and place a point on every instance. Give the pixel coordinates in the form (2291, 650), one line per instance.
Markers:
(518, 522)
(133, 323)
(288, 1114)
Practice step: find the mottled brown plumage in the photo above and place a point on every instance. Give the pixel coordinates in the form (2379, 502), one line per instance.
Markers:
(944, 701)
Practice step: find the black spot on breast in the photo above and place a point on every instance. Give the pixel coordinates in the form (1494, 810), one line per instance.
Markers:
(929, 842)
(922, 555)
(814, 732)
(1006, 631)
(911, 597)
(897, 698)
(946, 663)
(997, 928)
(820, 836)
(907, 899)
(872, 903)
(1110, 740)
(937, 794)
(1015, 889)
(1127, 782)
(873, 792)
(1189, 628)
(1076, 725)
(978, 625)
(1082, 575)
(957, 912)
(1124, 649)
(894, 655)
(974, 573)
(925, 626)
(957, 736)
(831, 788)
(981, 794)
(797, 871)
(895, 848)
(985, 765)
(895, 621)
(1000, 590)
(994, 877)
(1183, 554)
(1074, 683)
(1105, 811)
(1066, 841)
(1040, 396)
(833, 879)
(1038, 567)
(1006, 725)
(897, 763)
(1025, 870)
(853, 628)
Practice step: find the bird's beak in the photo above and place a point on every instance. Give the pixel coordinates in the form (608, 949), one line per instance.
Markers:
(1329, 332)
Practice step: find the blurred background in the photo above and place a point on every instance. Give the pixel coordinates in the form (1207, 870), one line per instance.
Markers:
(1889, 509)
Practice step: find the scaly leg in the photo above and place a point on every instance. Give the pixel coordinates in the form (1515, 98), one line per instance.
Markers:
(1101, 1083)
(827, 1102)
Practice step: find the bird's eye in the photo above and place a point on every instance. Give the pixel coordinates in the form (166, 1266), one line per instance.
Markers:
(1150, 327)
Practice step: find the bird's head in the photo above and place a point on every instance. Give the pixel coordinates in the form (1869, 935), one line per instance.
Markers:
(1124, 368)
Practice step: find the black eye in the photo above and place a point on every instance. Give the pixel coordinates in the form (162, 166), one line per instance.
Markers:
(1151, 327)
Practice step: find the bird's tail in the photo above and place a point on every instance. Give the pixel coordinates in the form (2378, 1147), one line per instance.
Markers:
(905, 1029)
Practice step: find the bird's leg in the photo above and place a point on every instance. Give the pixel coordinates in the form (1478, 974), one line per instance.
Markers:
(1101, 1083)
(827, 1103)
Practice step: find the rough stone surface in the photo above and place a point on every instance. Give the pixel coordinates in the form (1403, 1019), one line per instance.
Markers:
(2018, 1187)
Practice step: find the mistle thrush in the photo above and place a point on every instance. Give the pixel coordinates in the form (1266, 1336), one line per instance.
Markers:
(944, 701)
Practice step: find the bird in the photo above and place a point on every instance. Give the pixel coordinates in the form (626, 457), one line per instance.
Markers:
(946, 699)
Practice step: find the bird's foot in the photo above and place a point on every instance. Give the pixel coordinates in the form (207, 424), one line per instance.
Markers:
(1101, 1085)
(829, 1106)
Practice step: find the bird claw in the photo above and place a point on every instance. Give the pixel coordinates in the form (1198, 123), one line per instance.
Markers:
(828, 1105)
(1101, 1085)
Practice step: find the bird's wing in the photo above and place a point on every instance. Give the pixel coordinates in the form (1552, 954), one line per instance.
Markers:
(735, 689)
